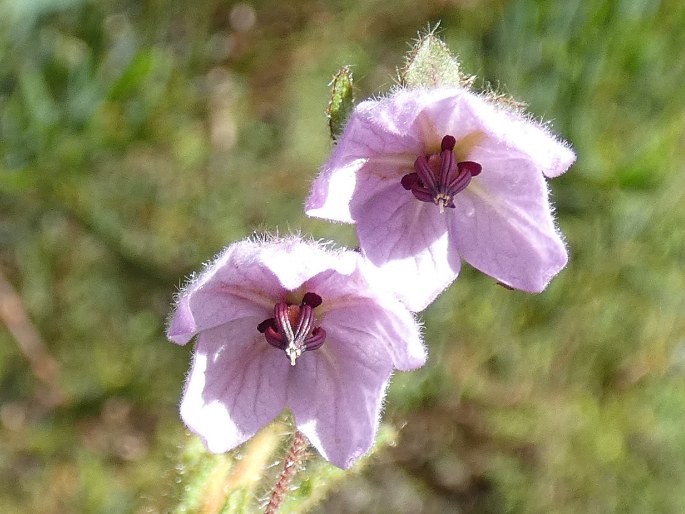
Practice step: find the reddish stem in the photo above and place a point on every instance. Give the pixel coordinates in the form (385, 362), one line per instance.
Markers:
(292, 463)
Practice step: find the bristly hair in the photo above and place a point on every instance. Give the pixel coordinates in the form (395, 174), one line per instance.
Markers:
(497, 96)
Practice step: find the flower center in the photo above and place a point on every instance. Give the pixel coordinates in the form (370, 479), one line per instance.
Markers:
(292, 327)
(439, 177)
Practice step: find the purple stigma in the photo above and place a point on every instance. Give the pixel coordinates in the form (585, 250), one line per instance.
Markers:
(292, 327)
(438, 182)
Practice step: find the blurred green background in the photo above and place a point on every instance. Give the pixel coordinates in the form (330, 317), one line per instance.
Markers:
(139, 137)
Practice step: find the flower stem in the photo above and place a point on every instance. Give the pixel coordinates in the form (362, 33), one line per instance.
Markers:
(293, 460)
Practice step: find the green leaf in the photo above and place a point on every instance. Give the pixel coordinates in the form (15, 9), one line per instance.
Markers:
(342, 101)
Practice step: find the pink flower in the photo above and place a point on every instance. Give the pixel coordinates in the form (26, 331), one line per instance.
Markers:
(430, 176)
(288, 323)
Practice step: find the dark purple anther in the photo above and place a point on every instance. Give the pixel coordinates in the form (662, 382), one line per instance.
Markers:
(439, 184)
(292, 327)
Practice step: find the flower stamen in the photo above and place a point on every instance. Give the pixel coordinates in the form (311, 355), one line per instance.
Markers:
(292, 327)
(438, 184)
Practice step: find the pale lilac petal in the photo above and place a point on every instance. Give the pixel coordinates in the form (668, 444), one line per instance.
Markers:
(454, 112)
(219, 294)
(382, 140)
(380, 127)
(182, 326)
(379, 145)
(503, 224)
(459, 112)
(236, 385)
(374, 320)
(376, 138)
(523, 135)
(407, 242)
(331, 192)
(216, 303)
(243, 282)
(371, 324)
(552, 157)
(335, 395)
(295, 261)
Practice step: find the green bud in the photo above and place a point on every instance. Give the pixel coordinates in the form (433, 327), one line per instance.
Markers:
(431, 64)
(342, 101)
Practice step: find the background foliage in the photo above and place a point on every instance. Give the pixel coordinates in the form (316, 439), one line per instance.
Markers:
(138, 138)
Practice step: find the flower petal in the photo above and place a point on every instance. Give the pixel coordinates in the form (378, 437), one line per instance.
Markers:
(551, 156)
(335, 394)
(503, 223)
(332, 190)
(236, 385)
(373, 324)
(233, 286)
(378, 140)
(295, 261)
(357, 309)
(182, 325)
(246, 280)
(382, 139)
(406, 241)
(460, 110)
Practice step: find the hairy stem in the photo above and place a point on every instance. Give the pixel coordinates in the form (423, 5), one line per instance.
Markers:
(292, 462)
